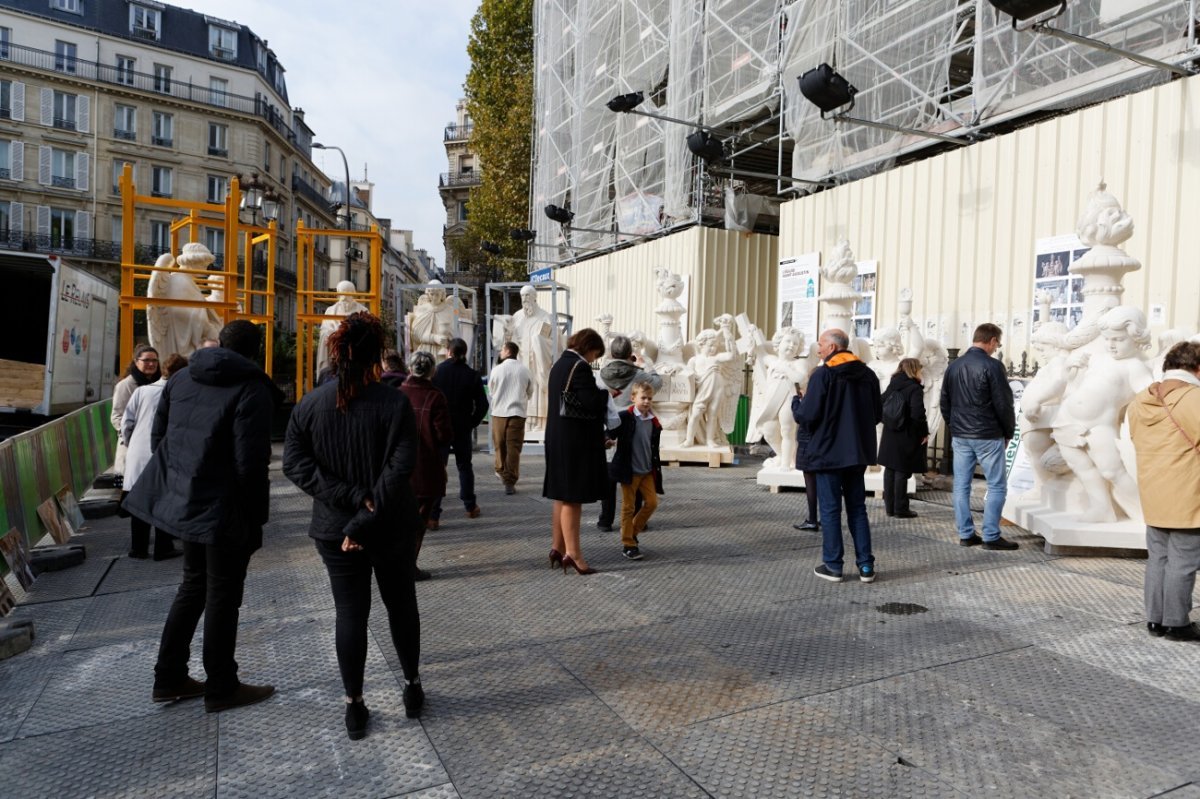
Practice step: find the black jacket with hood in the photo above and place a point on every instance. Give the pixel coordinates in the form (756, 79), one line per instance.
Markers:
(902, 450)
(976, 399)
(840, 410)
(207, 481)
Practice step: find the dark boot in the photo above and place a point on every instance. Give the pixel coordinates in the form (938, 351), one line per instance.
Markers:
(139, 538)
(164, 546)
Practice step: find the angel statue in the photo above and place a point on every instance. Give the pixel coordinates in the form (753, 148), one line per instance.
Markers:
(781, 367)
(715, 370)
(174, 328)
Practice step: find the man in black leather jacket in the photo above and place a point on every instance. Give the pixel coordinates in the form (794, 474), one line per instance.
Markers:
(978, 405)
(468, 406)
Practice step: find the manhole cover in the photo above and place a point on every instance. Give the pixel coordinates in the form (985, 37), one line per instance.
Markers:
(901, 608)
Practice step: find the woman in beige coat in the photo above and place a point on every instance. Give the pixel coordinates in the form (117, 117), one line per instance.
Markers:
(1164, 421)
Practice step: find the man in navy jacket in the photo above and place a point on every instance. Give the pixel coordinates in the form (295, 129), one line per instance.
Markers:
(840, 410)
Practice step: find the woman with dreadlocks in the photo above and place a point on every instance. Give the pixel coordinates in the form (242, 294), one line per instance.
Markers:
(351, 444)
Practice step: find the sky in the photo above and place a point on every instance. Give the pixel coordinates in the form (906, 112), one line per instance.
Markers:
(378, 79)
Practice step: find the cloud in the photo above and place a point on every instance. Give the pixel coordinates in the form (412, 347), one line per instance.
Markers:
(379, 80)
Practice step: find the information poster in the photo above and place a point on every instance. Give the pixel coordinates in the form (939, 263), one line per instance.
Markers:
(799, 286)
(864, 310)
(1053, 257)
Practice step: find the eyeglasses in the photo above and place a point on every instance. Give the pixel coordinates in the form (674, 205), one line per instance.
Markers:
(148, 360)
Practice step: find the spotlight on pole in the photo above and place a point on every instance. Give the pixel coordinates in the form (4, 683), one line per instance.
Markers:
(490, 247)
(522, 234)
(826, 89)
(624, 103)
(706, 146)
(1021, 10)
(563, 216)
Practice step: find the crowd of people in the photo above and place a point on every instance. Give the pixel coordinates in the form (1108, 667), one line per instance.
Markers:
(371, 446)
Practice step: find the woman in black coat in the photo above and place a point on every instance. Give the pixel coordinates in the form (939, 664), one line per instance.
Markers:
(576, 469)
(902, 451)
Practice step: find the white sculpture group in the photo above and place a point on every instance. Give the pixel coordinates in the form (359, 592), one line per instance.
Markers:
(176, 328)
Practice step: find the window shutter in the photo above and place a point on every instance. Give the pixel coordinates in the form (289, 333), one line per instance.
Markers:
(44, 165)
(17, 167)
(43, 220)
(82, 171)
(16, 217)
(83, 113)
(47, 107)
(18, 102)
(83, 225)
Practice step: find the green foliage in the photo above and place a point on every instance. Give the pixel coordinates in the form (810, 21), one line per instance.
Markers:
(499, 90)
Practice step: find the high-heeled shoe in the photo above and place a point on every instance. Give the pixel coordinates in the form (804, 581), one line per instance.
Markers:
(570, 561)
(555, 558)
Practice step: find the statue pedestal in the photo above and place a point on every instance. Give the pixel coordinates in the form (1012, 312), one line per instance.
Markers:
(713, 458)
(776, 480)
(1050, 515)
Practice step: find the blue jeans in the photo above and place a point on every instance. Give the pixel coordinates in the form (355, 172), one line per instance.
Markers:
(989, 454)
(834, 486)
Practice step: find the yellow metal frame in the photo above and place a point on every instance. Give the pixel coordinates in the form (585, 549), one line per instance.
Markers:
(239, 284)
(308, 296)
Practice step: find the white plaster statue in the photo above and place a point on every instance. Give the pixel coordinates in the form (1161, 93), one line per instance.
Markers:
(1166, 340)
(644, 349)
(1042, 398)
(434, 321)
(604, 328)
(780, 367)
(715, 369)
(344, 306)
(1088, 424)
(934, 360)
(533, 331)
(175, 329)
(887, 350)
(672, 353)
(839, 297)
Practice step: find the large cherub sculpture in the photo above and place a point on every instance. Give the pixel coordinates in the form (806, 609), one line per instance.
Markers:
(1042, 398)
(1088, 423)
(715, 369)
(175, 329)
(345, 305)
(781, 366)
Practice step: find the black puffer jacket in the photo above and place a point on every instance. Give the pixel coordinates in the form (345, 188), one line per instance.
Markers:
(342, 459)
(976, 400)
(207, 481)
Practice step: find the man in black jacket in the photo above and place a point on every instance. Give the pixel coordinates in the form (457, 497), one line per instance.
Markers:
(840, 411)
(468, 405)
(978, 405)
(207, 485)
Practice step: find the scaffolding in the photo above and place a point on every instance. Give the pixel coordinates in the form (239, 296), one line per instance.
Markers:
(952, 67)
(238, 302)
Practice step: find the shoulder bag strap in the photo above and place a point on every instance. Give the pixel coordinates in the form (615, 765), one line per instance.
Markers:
(1157, 391)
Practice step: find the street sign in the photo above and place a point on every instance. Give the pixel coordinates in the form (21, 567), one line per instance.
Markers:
(540, 275)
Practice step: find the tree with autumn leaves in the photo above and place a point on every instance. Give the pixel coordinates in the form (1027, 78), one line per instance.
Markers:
(499, 92)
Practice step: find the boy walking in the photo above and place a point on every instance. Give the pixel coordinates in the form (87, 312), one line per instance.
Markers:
(636, 466)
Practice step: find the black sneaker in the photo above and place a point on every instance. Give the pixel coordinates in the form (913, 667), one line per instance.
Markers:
(973, 541)
(1001, 543)
(607, 528)
(188, 689)
(808, 526)
(1188, 632)
(824, 573)
(420, 575)
(866, 574)
(510, 490)
(633, 553)
(242, 695)
(414, 699)
(356, 719)
(1157, 630)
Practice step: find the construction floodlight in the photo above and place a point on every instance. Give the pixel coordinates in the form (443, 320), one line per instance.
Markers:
(522, 234)
(490, 247)
(563, 216)
(706, 146)
(1021, 10)
(624, 103)
(827, 90)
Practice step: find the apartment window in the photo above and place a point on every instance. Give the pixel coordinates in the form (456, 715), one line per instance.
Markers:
(64, 110)
(64, 56)
(125, 69)
(5, 38)
(125, 122)
(74, 6)
(466, 164)
(62, 228)
(218, 187)
(5, 219)
(160, 184)
(267, 157)
(160, 236)
(6, 170)
(118, 168)
(144, 22)
(164, 129)
(462, 212)
(214, 240)
(162, 78)
(218, 139)
(222, 42)
(5, 99)
(218, 91)
(62, 168)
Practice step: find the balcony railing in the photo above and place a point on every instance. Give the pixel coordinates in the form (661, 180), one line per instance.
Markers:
(64, 123)
(220, 152)
(144, 32)
(5, 173)
(127, 135)
(182, 90)
(458, 132)
(310, 193)
(94, 249)
(452, 179)
(59, 182)
(5, 112)
(159, 141)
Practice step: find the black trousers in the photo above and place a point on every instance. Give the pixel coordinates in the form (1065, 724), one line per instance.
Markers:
(466, 474)
(810, 494)
(214, 576)
(350, 579)
(139, 533)
(895, 491)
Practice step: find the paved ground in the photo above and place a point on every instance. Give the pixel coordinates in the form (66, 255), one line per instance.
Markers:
(718, 666)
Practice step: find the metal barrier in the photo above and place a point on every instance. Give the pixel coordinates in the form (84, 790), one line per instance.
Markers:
(34, 466)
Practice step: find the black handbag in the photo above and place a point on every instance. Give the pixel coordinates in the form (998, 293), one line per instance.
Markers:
(570, 404)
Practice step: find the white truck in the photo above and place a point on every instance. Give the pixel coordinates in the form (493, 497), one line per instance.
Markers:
(59, 347)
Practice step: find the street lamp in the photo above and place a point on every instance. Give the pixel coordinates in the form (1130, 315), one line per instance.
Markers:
(258, 195)
(349, 237)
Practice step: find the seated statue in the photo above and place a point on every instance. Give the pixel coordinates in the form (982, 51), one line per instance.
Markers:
(434, 321)
(344, 306)
(173, 328)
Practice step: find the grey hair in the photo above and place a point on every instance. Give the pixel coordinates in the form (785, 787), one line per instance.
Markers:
(840, 339)
(621, 348)
(421, 364)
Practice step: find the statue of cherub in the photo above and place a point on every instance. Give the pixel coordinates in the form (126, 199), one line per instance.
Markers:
(714, 367)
